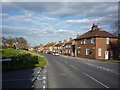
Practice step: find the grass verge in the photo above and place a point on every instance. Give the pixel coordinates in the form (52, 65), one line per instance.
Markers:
(21, 59)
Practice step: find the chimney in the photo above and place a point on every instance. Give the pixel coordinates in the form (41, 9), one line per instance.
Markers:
(78, 35)
(70, 38)
(60, 41)
(65, 41)
(94, 27)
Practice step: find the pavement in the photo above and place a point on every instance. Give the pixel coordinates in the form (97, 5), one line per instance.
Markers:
(28, 78)
(65, 72)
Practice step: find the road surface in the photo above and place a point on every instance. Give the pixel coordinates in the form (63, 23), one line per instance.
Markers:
(65, 72)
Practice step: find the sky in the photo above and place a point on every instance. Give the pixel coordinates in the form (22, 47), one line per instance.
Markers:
(43, 22)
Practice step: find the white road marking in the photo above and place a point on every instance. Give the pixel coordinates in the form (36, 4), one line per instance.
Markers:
(43, 77)
(74, 67)
(43, 86)
(32, 86)
(100, 67)
(44, 81)
(96, 80)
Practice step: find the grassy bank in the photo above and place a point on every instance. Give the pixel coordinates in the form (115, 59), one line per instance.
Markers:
(21, 59)
(116, 61)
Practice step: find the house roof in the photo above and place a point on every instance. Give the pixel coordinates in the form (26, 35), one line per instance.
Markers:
(70, 42)
(96, 33)
(59, 44)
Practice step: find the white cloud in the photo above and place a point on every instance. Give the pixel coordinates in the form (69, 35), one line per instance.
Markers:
(56, 20)
(65, 32)
(28, 19)
(64, 9)
(60, 1)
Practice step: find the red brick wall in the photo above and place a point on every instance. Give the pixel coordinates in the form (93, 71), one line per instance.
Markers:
(99, 43)
(84, 47)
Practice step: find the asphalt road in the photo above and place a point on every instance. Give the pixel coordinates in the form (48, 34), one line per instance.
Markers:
(65, 72)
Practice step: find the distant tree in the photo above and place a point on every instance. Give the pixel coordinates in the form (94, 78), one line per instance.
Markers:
(10, 41)
(4, 41)
(22, 43)
(18, 42)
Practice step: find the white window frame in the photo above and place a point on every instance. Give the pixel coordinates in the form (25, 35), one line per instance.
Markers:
(84, 41)
(99, 52)
(87, 49)
(92, 40)
(107, 40)
(76, 42)
(79, 50)
(81, 41)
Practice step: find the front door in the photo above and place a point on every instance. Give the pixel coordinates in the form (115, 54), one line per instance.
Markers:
(106, 54)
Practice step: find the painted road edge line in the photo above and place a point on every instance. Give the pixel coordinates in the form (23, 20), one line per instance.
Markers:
(96, 80)
(74, 67)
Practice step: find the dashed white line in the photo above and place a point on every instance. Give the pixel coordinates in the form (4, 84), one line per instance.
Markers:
(43, 86)
(32, 86)
(74, 67)
(44, 81)
(104, 68)
(43, 77)
(96, 80)
(38, 72)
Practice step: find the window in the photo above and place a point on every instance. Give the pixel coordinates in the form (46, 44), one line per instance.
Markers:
(99, 52)
(92, 40)
(79, 49)
(69, 46)
(66, 46)
(76, 42)
(60, 47)
(84, 41)
(107, 40)
(87, 51)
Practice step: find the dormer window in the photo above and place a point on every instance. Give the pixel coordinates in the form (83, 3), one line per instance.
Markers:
(92, 40)
(107, 40)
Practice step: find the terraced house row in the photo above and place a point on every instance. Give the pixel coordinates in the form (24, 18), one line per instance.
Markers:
(96, 43)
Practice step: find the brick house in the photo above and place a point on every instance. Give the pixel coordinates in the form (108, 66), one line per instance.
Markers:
(50, 46)
(70, 47)
(96, 43)
(63, 47)
(58, 47)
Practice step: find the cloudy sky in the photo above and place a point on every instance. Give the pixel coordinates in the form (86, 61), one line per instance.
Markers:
(43, 22)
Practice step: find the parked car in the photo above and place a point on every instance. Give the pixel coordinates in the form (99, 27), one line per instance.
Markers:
(55, 54)
(49, 52)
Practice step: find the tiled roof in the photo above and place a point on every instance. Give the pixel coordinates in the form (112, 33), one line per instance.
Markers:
(70, 42)
(96, 33)
(59, 44)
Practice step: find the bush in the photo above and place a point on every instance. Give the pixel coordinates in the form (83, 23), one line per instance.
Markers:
(21, 59)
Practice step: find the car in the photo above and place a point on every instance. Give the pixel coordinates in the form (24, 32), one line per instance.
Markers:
(55, 54)
(49, 52)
